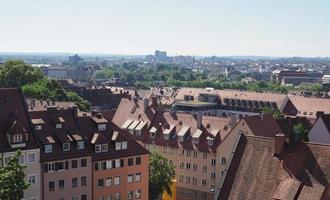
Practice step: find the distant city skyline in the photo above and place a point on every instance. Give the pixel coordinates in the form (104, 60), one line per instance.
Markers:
(200, 28)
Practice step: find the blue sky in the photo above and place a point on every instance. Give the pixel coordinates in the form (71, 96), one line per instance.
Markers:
(188, 27)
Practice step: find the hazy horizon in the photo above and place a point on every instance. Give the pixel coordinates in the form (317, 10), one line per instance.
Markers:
(201, 28)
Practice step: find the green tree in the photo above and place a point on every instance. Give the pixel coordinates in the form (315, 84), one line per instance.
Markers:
(162, 173)
(300, 132)
(16, 73)
(12, 179)
(277, 114)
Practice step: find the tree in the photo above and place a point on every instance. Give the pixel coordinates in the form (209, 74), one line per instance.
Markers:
(300, 132)
(277, 114)
(12, 179)
(162, 173)
(16, 73)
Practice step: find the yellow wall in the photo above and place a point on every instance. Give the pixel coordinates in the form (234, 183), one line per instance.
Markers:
(173, 189)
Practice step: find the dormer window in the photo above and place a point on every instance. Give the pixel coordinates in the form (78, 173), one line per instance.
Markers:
(196, 136)
(104, 147)
(124, 145)
(166, 136)
(66, 146)
(58, 126)
(48, 148)
(153, 132)
(121, 145)
(183, 133)
(80, 144)
(38, 127)
(17, 138)
(98, 148)
(210, 141)
(101, 127)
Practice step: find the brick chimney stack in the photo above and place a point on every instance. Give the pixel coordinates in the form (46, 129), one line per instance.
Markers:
(279, 144)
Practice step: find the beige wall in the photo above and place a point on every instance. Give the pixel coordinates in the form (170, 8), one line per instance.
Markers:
(176, 158)
(68, 192)
(32, 169)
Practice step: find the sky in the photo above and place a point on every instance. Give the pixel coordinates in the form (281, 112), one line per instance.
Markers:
(180, 27)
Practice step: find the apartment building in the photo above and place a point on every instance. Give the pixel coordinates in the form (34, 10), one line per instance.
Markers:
(120, 164)
(191, 142)
(65, 157)
(16, 134)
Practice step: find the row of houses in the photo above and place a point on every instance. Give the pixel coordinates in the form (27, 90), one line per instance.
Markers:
(70, 156)
(202, 147)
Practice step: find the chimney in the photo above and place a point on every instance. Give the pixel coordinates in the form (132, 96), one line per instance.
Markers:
(145, 104)
(99, 115)
(154, 101)
(199, 120)
(279, 144)
(75, 111)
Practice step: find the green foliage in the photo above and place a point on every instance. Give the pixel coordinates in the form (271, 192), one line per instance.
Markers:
(300, 132)
(315, 87)
(106, 73)
(35, 85)
(162, 172)
(12, 179)
(277, 114)
(49, 89)
(16, 73)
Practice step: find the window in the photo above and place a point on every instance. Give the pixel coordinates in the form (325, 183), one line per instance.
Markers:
(108, 182)
(59, 166)
(117, 180)
(83, 197)
(130, 161)
(188, 153)
(194, 167)
(212, 175)
(51, 167)
(31, 158)
(223, 160)
(83, 162)
(80, 145)
(181, 165)
(130, 195)
(66, 146)
(204, 169)
(222, 173)
(97, 148)
(61, 184)
(100, 183)
(104, 148)
(108, 164)
(37, 127)
(187, 179)
(102, 127)
(130, 178)
(74, 182)
(204, 182)
(181, 152)
(48, 148)
(117, 196)
(213, 162)
(188, 165)
(58, 126)
(74, 198)
(117, 163)
(51, 186)
(194, 180)
(138, 193)
(212, 188)
(74, 164)
(195, 153)
(17, 138)
(138, 160)
(124, 145)
(181, 178)
(118, 146)
(137, 177)
(32, 179)
(83, 181)
(204, 155)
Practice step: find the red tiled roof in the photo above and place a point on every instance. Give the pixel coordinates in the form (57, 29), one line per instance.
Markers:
(255, 174)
